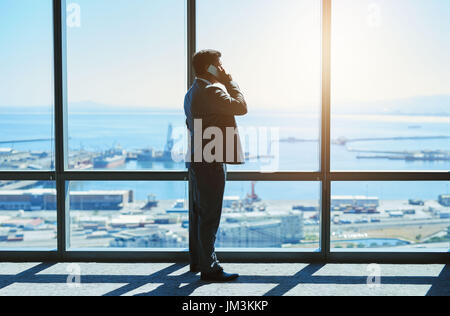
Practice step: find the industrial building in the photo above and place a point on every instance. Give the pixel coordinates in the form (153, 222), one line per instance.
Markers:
(45, 199)
(150, 236)
(444, 199)
(354, 201)
(260, 234)
(263, 229)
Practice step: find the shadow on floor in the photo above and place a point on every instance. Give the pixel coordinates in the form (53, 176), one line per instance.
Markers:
(7, 280)
(186, 283)
(441, 286)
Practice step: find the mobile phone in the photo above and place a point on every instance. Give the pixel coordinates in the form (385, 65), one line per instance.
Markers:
(213, 71)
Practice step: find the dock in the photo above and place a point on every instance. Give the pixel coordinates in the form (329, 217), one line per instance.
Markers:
(36, 140)
(344, 141)
(19, 185)
(424, 155)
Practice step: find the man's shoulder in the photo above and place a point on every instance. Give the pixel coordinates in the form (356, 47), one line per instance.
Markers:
(215, 88)
(216, 85)
(206, 86)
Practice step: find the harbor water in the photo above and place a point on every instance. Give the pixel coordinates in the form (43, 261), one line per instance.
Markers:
(99, 132)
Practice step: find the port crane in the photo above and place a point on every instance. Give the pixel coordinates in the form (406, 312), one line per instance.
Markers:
(253, 197)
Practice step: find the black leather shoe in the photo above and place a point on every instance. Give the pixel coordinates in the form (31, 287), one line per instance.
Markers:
(218, 276)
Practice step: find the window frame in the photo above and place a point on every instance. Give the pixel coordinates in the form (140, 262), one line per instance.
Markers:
(325, 176)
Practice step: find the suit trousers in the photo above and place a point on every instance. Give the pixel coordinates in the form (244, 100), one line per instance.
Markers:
(208, 185)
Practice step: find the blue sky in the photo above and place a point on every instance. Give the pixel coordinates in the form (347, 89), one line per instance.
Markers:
(403, 54)
(26, 53)
(132, 52)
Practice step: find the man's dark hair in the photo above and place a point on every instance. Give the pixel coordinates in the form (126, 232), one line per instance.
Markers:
(203, 59)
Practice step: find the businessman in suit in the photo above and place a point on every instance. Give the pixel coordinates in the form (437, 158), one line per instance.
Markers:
(210, 105)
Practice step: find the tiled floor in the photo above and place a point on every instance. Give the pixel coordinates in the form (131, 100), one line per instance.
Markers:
(256, 280)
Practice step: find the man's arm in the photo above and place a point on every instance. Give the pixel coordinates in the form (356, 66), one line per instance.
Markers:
(231, 103)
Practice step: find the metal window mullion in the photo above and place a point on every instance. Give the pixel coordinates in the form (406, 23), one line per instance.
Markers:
(125, 176)
(276, 176)
(27, 175)
(325, 129)
(191, 30)
(183, 175)
(60, 116)
(390, 176)
(232, 176)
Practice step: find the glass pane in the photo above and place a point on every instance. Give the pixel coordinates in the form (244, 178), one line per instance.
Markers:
(26, 85)
(128, 214)
(126, 69)
(27, 215)
(390, 85)
(395, 215)
(270, 215)
(155, 215)
(273, 52)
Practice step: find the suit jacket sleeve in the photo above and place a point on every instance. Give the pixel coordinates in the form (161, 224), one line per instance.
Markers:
(231, 103)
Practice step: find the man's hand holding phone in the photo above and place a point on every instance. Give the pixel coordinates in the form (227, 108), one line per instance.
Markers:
(221, 75)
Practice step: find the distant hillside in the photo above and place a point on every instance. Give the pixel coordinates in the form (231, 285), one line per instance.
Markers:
(88, 106)
(425, 105)
(38, 109)
(79, 107)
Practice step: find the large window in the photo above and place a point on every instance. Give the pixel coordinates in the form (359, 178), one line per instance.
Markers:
(346, 139)
(273, 51)
(271, 215)
(128, 214)
(126, 71)
(398, 216)
(390, 85)
(26, 85)
(27, 215)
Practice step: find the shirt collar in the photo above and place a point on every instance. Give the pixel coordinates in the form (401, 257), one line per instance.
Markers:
(204, 80)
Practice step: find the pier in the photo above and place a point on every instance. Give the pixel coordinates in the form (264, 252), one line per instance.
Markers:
(19, 185)
(17, 141)
(344, 141)
(423, 155)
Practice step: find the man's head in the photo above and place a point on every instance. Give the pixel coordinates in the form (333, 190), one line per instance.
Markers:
(203, 59)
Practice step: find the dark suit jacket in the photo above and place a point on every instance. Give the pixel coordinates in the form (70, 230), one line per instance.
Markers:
(216, 108)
